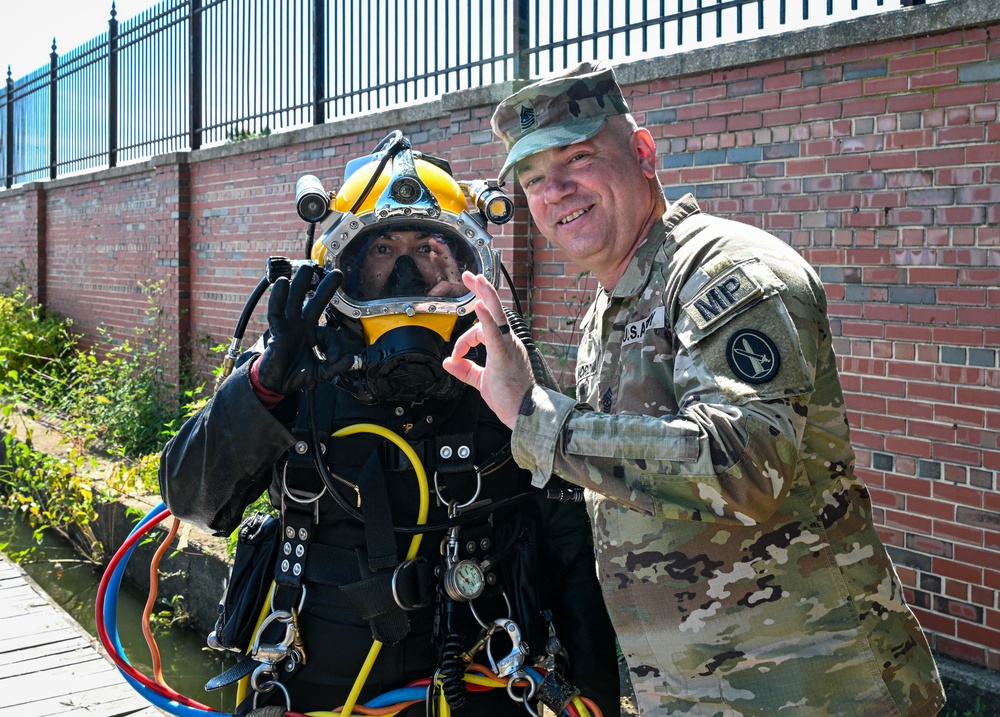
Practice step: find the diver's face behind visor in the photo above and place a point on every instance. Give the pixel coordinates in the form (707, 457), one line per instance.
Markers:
(406, 264)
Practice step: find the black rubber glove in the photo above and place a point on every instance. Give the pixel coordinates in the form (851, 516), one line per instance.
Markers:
(289, 362)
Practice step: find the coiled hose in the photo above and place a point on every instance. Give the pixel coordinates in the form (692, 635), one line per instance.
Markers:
(452, 670)
(543, 374)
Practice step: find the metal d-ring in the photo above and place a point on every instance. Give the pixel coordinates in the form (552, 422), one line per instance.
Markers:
(298, 610)
(395, 576)
(530, 690)
(458, 506)
(270, 685)
(288, 491)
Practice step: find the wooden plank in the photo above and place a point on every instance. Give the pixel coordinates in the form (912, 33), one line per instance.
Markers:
(76, 644)
(49, 665)
(33, 660)
(61, 681)
(103, 701)
(52, 637)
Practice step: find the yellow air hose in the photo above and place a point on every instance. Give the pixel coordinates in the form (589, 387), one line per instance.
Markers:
(411, 553)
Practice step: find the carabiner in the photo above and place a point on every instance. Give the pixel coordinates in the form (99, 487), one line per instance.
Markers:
(514, 661)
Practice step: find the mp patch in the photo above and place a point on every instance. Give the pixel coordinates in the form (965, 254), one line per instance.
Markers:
(753, 356)
(725, 295)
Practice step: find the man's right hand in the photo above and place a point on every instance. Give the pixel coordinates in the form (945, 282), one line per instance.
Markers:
(289, 363)
(507, 376)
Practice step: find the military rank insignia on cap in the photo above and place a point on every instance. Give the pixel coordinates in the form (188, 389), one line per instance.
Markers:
(557, 111)
(527, 118)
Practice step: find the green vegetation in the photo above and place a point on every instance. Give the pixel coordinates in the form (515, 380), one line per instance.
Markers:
(239, 135)
(112, 399)
(977, 710)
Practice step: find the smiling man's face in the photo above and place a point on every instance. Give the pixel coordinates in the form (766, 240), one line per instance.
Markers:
(593, 199)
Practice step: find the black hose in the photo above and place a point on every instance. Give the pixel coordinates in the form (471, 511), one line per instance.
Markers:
(251, 304)
(510, 285)
(543, 374)
(310, 239)
(452, 670)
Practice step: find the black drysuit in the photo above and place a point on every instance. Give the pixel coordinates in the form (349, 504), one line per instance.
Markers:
(234, 448)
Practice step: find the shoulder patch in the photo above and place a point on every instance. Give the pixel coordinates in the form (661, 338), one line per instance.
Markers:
(724, 294)
(753, 356)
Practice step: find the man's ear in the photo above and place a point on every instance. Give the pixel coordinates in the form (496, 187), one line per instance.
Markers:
(645, 151)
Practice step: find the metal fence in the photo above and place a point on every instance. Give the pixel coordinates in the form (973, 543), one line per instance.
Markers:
(190, 73)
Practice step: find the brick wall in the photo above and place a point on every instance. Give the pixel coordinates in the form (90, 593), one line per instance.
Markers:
(877, 161)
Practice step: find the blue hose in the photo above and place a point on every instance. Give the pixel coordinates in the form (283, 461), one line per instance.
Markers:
(111, 624)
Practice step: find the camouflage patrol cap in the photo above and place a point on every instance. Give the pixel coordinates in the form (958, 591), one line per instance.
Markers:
(557, 111)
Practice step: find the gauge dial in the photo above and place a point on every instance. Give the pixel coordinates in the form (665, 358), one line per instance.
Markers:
(464, 581)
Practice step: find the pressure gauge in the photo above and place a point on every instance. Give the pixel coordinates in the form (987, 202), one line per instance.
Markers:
(464, 581)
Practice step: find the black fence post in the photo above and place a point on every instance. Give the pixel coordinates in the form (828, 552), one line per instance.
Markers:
(319, 60)
(113, 88)
(53, 110)
(522, 38)
(9, 144)
(194, 74)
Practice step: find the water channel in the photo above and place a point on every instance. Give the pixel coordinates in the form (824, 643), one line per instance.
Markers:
(52, 563)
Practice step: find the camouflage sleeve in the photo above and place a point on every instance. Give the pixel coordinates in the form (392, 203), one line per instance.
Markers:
(727, 463)
(728, 452)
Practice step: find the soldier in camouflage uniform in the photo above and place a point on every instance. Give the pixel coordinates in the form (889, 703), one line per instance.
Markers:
(735, 543)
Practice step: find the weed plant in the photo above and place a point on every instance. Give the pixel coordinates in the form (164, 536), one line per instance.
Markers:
(114, 398)
(35, 343)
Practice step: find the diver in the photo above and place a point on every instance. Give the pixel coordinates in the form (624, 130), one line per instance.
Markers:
(409, 548)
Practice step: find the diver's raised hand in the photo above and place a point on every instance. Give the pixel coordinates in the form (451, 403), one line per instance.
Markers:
(290, 361)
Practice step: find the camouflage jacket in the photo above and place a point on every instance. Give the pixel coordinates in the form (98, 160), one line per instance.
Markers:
(735, 544)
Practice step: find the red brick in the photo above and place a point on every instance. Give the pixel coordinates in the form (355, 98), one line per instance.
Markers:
(893, 161)
(938, 78)
(957, 590)
(977, 634)
(959, 96)
(987, 559)
(908, 62)
(960, 135)
(963, 651)
(910, 102)
(956, 532)
(941, 157)
(909, 447)
(957, 570)
(904, 520)
(961, 55)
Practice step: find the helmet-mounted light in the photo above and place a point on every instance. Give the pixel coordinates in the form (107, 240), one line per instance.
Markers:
(490, 200)
(312, 202)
